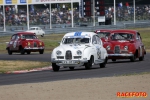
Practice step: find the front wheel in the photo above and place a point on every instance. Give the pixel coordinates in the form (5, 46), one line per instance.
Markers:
(71, 68)
(114, 60)
(55, 67)
(88, 65)
(42, 35)
(133, 58)
(28, 52)
(22, 51)
(102, 65)
(41, 51)
(9, 51)
(141, 58)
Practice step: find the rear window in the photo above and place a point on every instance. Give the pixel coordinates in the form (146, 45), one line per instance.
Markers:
(28, 37)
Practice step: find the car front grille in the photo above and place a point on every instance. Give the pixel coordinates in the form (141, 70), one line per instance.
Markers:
(34, 44)
(68, 55)
(117, 49)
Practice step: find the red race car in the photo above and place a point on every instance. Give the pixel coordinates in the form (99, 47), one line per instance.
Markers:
(25, 42)
(125, 44)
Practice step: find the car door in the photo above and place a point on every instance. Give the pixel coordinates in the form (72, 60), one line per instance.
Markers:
(37, 31)
(40, 31)
(96, 50)
(140, 45)
(11, 43)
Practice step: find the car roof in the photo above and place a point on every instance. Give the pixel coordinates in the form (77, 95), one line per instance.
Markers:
(79, 34)
(24, 33)
(124, 31)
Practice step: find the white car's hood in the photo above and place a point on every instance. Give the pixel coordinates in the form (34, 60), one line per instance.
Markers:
(73, 47)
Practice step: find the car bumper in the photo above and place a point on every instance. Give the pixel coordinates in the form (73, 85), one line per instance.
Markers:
(33, 48)
(68, 63)
(117, 56)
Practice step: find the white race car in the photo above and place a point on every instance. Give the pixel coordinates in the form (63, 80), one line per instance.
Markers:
(79, 49)
(36, 31)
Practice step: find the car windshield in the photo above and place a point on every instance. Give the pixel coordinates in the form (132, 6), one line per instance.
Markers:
(76, 40)
(32, 29)
(28, 37)
(103, 34)
(122, 36)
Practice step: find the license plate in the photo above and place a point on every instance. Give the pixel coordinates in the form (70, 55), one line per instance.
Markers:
(68, 62)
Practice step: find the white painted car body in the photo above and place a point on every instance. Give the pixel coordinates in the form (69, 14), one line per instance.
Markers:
(37, 31)
(78, 49)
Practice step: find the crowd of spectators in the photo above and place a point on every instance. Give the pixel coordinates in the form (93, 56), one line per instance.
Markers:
(41, 16)
(125, 13)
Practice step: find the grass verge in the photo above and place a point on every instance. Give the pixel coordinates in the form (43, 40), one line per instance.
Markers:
(6, 66)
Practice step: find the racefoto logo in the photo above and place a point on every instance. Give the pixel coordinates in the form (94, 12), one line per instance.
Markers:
(131, 94)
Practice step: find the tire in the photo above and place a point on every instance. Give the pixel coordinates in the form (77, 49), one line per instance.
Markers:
(42, 35)
(141, 58)
(41, 51)
(133, 58)
(22, 51)
(9, 51)
(71, 68)
(102, 65)
(88, 65)
(28, 52)
(55, 67)
(113, 60)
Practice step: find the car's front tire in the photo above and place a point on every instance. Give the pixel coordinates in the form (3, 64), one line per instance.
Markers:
(55, 67)
(88, 65)
(113, 60)
(9, 51)
(141, 58)
(102, 65)
(42, 35)
(41, 51)
(22, 51)
(28, 52)
(71, 68)
(133, 58)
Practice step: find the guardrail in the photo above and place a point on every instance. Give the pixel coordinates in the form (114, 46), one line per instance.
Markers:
(62, 28)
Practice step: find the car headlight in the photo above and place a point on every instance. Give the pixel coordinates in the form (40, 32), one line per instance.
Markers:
(79, 52)
(58, 52)
(108, 47)
(125, 47)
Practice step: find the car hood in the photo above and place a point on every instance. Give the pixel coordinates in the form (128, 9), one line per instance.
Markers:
(73, 47)
(120, 42)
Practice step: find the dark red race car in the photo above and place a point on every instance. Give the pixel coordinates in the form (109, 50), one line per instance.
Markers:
(25, 42)
(125, 44)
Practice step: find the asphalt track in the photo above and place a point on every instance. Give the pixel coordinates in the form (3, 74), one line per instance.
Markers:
(120, 67)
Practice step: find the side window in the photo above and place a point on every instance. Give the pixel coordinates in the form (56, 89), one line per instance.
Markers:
(94, 40)
(36, 28)
(138, 37)
(17, 37)
(13, 37)
(98, 39)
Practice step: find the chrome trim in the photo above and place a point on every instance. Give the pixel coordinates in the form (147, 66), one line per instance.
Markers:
(127, 55)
